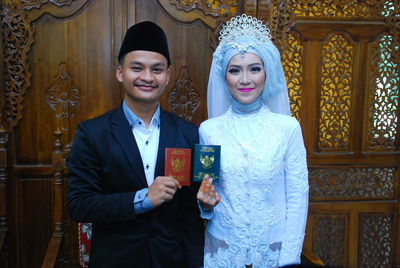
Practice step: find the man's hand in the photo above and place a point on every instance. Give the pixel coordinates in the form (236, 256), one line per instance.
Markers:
(162, 190)
(206, 195)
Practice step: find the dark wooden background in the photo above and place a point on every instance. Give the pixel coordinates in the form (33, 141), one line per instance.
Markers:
(341, 58)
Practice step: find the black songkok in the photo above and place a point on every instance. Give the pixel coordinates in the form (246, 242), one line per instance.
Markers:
(145, 36)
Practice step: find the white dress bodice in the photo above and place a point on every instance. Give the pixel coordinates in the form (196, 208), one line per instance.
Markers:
(263, 185)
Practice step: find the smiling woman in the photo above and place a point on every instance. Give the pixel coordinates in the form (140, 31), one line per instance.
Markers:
(257, 210)
(245, 77)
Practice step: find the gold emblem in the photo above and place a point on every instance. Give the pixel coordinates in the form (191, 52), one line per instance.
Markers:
(177, 164)
(206, 161)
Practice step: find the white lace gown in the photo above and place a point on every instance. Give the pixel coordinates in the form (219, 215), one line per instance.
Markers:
(261, 217)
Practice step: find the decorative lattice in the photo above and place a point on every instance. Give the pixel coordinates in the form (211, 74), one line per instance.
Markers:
(376, 245)
(329, 235)
(292, 62)
(384, 83)
(352, 183)
(338, 8)
(336, 89)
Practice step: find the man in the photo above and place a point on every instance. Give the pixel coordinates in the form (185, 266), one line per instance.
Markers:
(140, 217)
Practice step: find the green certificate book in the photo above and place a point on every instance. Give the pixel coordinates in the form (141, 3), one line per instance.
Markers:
(206, 161)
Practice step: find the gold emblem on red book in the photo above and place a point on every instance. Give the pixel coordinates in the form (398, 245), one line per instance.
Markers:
(177, 164)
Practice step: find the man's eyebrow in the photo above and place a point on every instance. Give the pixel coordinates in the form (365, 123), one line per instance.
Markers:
(135, 63)
(159, 64)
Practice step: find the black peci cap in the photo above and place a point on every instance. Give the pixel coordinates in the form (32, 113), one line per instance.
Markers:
(145, 36)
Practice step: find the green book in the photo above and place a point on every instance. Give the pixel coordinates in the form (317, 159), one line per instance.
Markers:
(206, 160)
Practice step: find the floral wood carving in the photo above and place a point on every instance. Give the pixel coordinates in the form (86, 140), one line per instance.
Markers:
(336, 92)
(338, 8)
(329, 245)
(352, 183)
(384, 84)
(281, 22)
(376, 244)
(18, 37)
(292, 62)
(63, 95)
(214, 8)
(30, 4)
(183, 99)
(212, 13)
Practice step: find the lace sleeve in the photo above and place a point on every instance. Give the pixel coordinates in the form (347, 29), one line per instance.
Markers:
(296, 180)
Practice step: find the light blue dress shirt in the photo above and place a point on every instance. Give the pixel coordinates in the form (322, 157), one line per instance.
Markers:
(141, 203)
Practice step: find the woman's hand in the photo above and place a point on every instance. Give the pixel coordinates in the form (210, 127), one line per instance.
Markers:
(206, 195)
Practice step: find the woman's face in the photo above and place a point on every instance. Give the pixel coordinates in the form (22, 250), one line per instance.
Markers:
(245, 77)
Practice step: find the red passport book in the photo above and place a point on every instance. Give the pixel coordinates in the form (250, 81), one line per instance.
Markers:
(178, 163)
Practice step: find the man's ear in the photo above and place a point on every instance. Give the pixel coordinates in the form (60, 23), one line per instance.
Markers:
(118, 74)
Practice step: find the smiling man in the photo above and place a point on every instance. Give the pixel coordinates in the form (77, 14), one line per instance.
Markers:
(140, 217)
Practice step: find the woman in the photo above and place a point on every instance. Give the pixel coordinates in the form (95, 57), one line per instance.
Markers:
(257, 210)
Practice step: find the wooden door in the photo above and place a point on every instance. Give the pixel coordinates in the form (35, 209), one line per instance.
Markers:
(341, 59)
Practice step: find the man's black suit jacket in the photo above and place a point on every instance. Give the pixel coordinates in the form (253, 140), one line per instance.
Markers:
(106, 170)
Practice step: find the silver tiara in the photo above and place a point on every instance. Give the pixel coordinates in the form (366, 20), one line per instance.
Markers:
(244, 26)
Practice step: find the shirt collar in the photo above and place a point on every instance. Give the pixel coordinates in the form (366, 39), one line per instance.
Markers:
(133, 119)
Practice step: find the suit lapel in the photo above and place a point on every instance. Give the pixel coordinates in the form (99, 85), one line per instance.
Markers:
(167, 134)
(123, 134)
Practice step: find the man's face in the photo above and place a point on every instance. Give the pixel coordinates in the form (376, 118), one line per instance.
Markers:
(144, 76)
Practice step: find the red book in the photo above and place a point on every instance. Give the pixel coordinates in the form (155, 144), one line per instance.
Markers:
(178, 163)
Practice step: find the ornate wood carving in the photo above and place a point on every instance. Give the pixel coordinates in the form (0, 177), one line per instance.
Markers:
(212, 13)
(352, 183)
(376, 243)
(18, 37)
(63, 95)
(338, 8)
(384, 87)
(30, 4)
(208, 7)
(281, 22)
(330, 239)
(183, 99)
(336, 91)
(292, 62)
(17, 40)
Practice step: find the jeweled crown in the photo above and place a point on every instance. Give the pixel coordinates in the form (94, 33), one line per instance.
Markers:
(244, 26)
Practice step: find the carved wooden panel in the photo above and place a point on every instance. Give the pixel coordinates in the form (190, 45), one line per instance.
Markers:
(63, 96)
(183, 99)
(336, 93)
(384, 89)
(352, 183)
(208, 7)
(330, 238)
(376, 240)
(17, 36)
(292, 62)
(338, 8)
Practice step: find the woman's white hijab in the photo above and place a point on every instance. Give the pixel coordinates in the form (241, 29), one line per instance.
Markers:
(247, 39)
